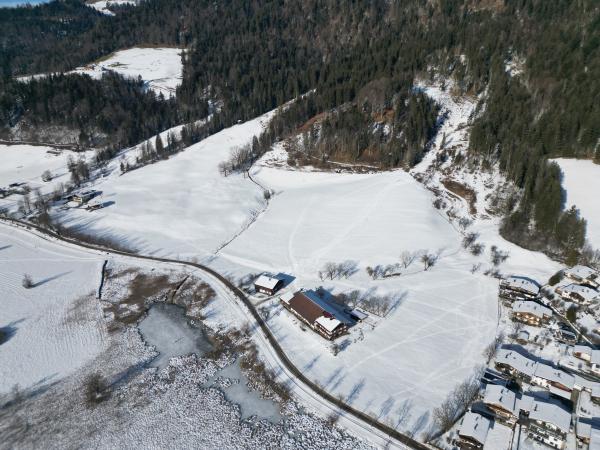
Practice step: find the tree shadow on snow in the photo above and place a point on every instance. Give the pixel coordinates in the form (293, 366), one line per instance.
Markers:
(52, 278)
(7, 332)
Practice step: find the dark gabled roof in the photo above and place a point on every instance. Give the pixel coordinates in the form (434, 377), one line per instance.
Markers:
(305, 307)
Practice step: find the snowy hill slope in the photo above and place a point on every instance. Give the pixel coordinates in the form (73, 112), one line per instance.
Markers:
(581, 182)
(53, 327)
(181, 206)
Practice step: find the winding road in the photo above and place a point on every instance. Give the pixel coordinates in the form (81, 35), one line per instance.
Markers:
(378, 430)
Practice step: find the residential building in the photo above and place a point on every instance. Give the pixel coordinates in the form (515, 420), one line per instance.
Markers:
(310, 311)
(519, 288)
(549, 423)
(499, 437)
(473, 431)
(515, 364)
(267, 284)
(578, 293)
(531, 312)
(553, 379)
(583, 275)
(502, 401)
(590, 356)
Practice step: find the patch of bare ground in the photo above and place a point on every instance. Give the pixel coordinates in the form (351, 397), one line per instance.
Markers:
(129, 293)
(462, 191)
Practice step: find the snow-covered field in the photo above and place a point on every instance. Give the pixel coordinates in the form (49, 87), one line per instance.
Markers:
(581, 182)
(26, 163)
(160, 68)
(181, 206)
(52, 327)
(103, 5)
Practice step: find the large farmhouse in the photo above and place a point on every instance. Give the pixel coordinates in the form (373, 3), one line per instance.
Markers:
(268, 285)
(313, 314)
(519, 288)
(583, 275)
(473, 431)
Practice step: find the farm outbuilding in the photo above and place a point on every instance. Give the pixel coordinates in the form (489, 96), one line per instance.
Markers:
(266, 284)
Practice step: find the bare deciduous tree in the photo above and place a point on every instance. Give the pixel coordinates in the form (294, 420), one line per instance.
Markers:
(407, 258)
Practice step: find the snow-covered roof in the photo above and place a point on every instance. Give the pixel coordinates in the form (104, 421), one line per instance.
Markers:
(583, 349)
(523, 283)
(587, 293)
(500, 396)
(359, 313)
(549, 373)
(519, 362)
(594, 440)
(553, 414)
(498, 437)
(584, 430)
(582, 272)
(287, 297)
(267, 282)
(525, 403)
(531, 308)
(474, 426)
(329, 323)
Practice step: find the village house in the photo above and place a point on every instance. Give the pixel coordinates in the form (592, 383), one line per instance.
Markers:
(473, 430)
(515, 364)
(557, 381)
(83, 197)
(268, 285)
(519, 288)
(549, 423)
(499, 437)
(313, 314)
(590, 356)
(502, 401)
(578, 293)
(583, 432)
(531, 313)
(583, 275)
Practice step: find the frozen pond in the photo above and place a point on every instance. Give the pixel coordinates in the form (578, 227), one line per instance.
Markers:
(250, 402)
(167, 329)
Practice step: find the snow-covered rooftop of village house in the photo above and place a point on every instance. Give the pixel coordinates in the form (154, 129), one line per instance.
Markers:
(525, 284)
(584, 430)
(498, 437)
(267, 282)
(594, 439)
(587, 293)
(287, 297)
(501, 396)
(357, 312)
(531, 308)
(553, 414)
(593, 355)
(329, 323)
(474, 426)
(582, 272)
(516, 360)
(549, 373)
(525, 403)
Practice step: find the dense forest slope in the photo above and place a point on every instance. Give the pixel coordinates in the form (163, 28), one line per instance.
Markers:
(535, 65)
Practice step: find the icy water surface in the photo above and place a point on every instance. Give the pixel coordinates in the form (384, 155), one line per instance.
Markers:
(167, 329)
(250, 402)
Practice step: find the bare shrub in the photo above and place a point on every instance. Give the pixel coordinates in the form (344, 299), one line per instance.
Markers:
(498, 256)
(428, 260)
(476, 249)
(469, 239)
(407, 258)
(97, 389)
(27, 282)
